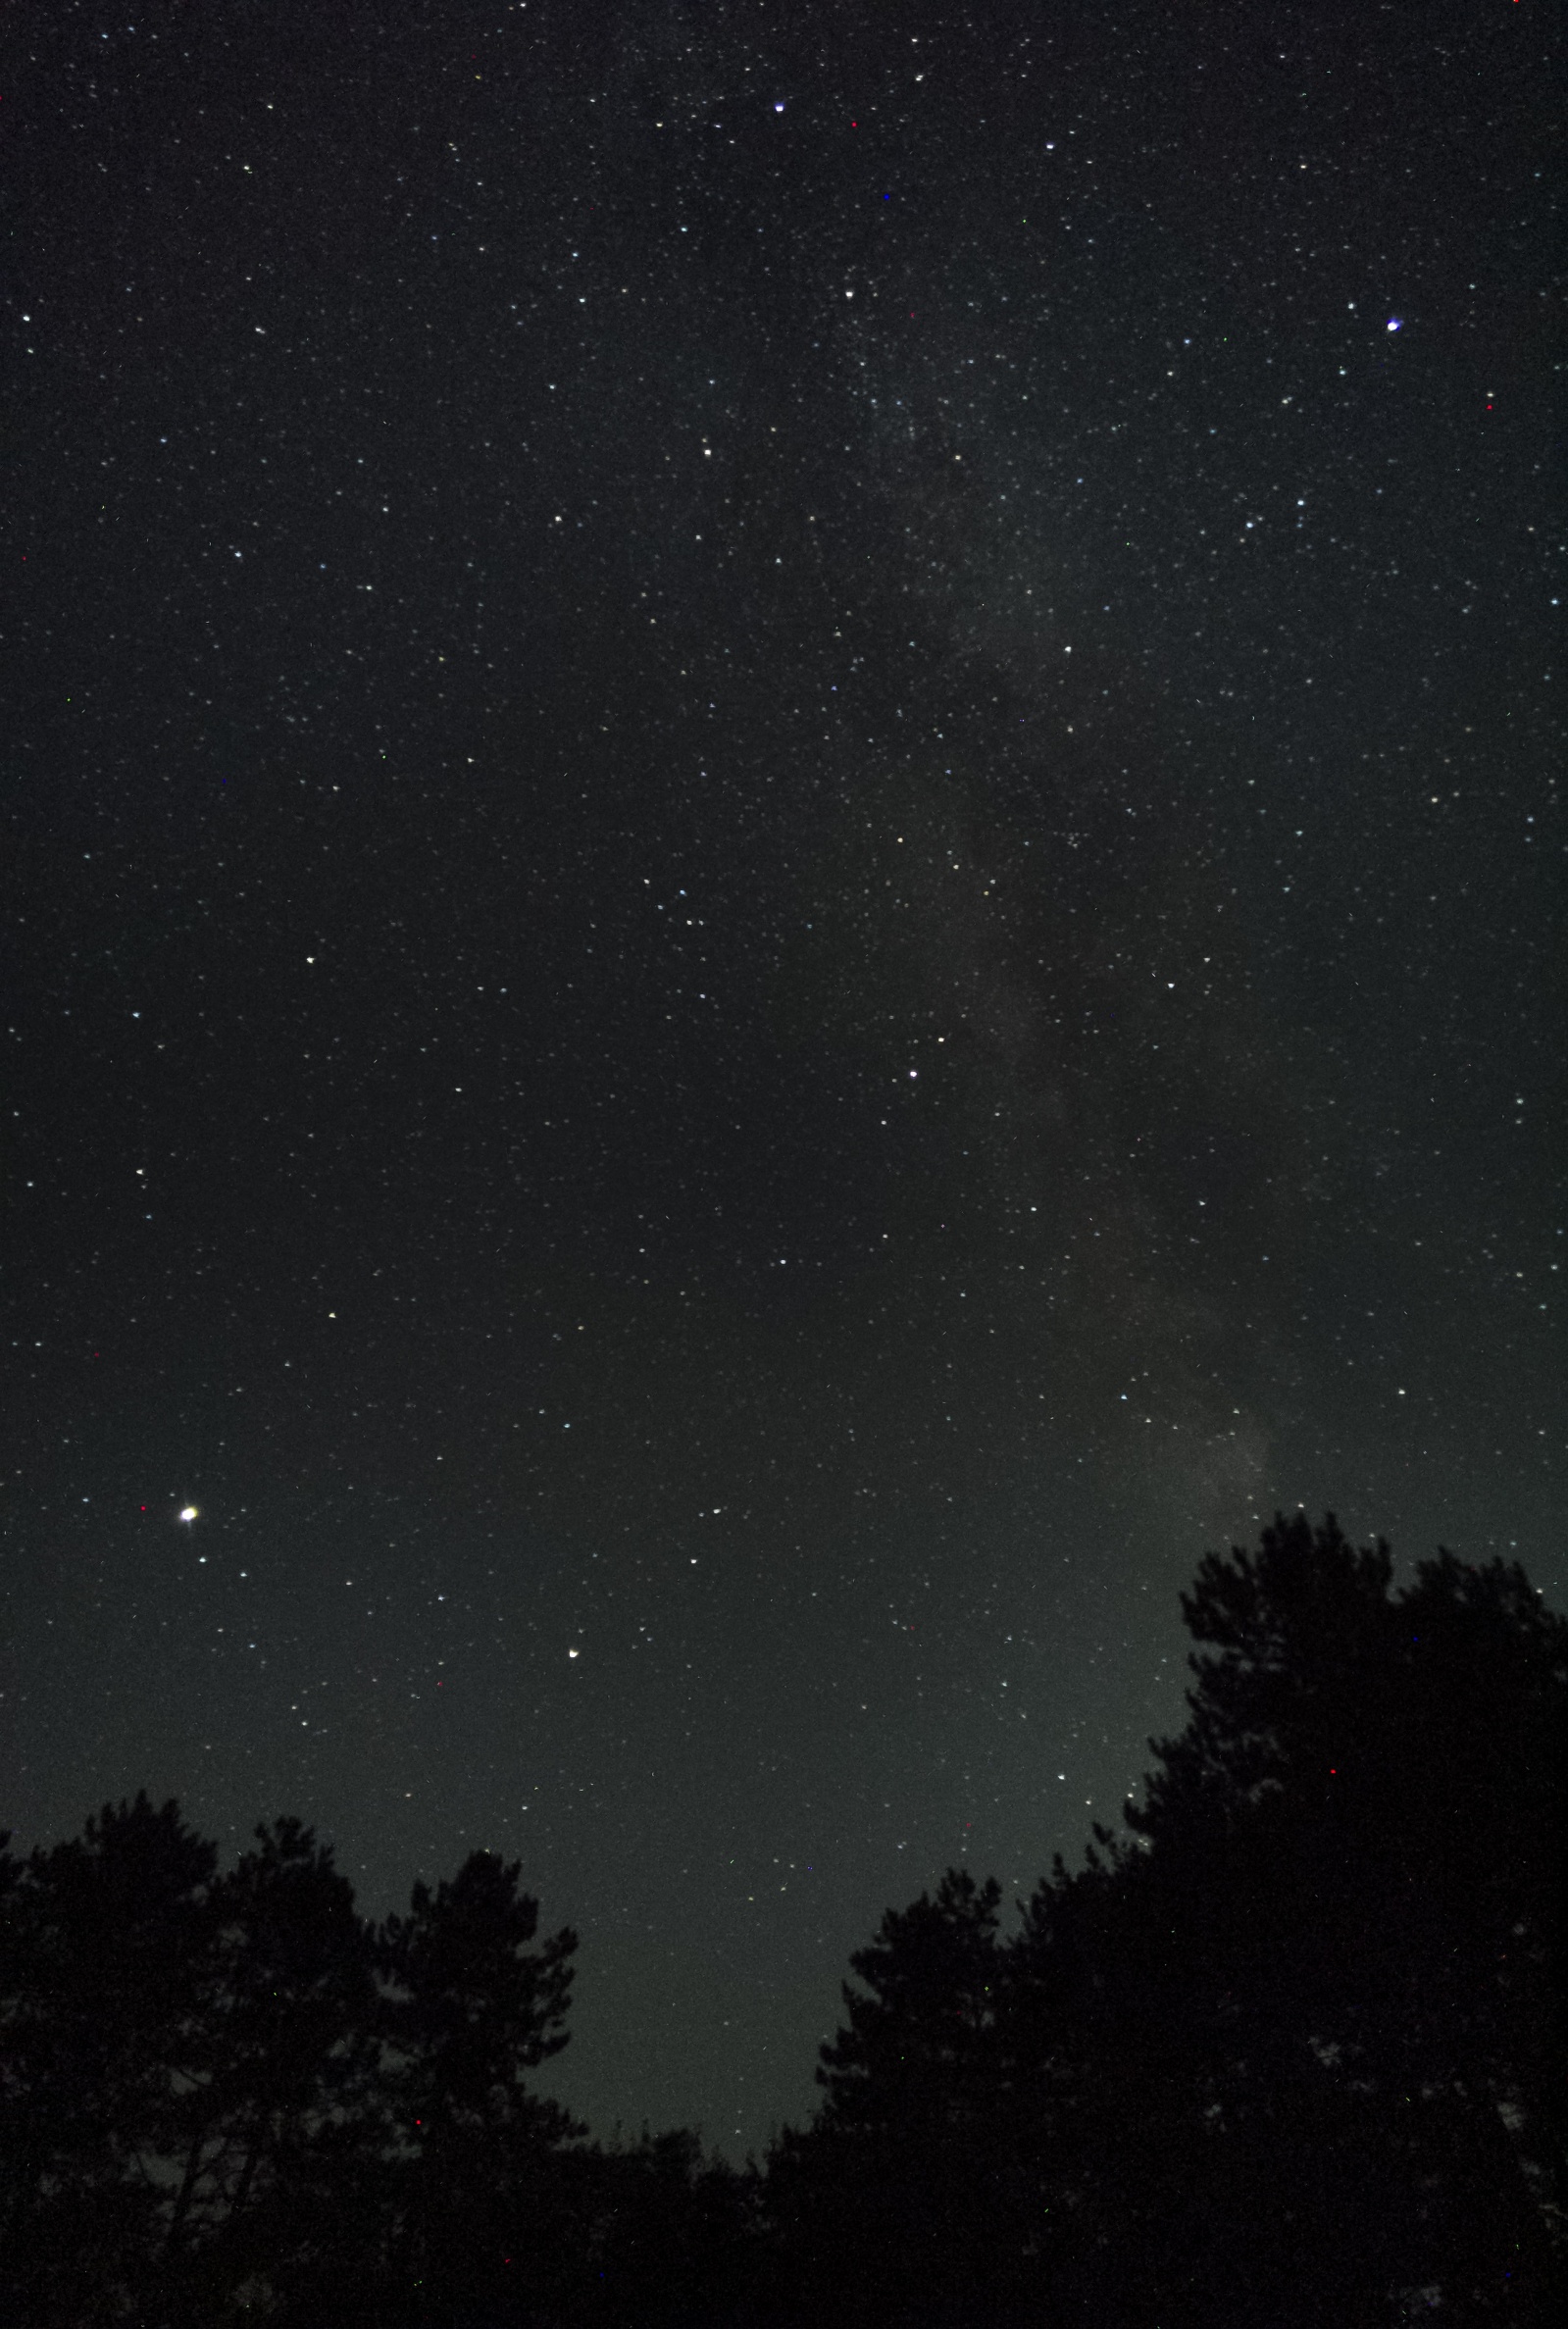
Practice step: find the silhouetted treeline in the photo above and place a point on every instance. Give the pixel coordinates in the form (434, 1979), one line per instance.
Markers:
(1289, 2053)
(228, 2097)
(1292, 2053)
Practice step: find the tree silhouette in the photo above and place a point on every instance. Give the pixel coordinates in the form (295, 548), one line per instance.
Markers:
(222, 2084)
(103, 1947)
(280, 2100)
(913, 2055)
(880, 2205)
(669, 2239)
(1290, 2052)
(470, 2009)
(1352, 1840)
(1286, 2051)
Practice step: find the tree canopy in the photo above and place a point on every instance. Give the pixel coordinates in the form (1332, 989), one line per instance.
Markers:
(1289, 2048)
(1285, 2051)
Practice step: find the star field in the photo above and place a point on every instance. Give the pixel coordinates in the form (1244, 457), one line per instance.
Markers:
(782, 830)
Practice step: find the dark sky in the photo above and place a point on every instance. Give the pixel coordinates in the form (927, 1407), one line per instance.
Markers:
(781, 856)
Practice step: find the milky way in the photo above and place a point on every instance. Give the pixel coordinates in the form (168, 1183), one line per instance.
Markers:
(782, 833)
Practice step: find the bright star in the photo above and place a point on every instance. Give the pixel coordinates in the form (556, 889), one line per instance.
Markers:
(188, 1513)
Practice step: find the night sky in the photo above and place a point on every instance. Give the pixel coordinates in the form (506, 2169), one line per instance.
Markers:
(781, 859)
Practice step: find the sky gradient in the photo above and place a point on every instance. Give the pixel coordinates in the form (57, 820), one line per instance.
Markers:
(782, 852)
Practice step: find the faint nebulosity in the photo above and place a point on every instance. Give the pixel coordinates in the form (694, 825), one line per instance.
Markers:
(782, 843)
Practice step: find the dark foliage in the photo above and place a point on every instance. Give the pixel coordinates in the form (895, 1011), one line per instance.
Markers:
(1289, 2053)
